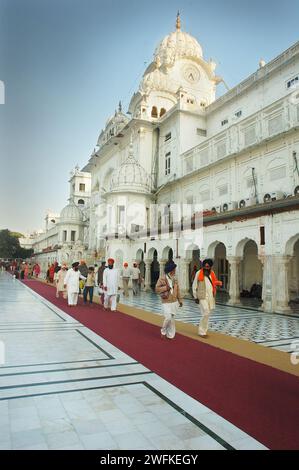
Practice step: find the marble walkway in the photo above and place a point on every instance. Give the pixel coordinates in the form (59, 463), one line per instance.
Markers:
(64, 387)
(273, 330)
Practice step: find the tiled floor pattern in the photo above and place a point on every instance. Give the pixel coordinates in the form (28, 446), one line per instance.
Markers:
(64, 387)
(273, 330)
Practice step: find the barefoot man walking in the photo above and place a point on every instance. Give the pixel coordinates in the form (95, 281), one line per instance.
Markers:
(204, 289)
(168, 289)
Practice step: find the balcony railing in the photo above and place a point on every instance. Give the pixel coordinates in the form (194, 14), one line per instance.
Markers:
(281, 118)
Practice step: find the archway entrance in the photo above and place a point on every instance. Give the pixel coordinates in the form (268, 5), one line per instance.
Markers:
(251, 278)
(194, 266)
(141, 263)
(167, 254)
(221, 265)
(221, 268)
(294, 278)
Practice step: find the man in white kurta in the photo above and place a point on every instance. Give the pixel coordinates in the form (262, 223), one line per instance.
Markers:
(135, 279)
(71, 282)
(206, 306)
(59, 279)
(110, 285)
(205, 294)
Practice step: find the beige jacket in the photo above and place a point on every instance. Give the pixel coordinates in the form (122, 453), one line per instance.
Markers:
(199, 287)
(163, 286)
(90, 281)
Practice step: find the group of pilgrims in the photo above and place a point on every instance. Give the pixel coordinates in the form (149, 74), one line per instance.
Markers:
(107, 277)
(82, 279)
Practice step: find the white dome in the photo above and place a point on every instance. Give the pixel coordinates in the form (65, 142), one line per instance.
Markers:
(159, 81)
(131, 176)
(177, 45)
(71, 214)
(118, 118)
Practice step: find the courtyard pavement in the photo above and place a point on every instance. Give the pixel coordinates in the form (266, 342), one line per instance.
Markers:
(273, 330)
(64, 387)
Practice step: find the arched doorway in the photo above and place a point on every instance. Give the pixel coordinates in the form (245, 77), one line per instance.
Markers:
(251, 278)
(292, 249)
(193, 254)
(141, 263)
(154, 112)
(167, 254)
(217, 252)
(221, 265)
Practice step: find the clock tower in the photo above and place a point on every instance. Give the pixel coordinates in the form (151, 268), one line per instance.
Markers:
(178, 63)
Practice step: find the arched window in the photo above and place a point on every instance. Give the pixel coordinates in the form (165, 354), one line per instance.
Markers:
(162, 112)
(81, 201)
(154, 112)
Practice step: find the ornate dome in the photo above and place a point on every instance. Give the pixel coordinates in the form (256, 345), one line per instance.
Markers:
(177, 45)
(118, 119)
(71, 214)
(113, 126)
(159, 81)
(131, 176)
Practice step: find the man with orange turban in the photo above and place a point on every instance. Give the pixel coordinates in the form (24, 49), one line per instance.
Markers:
(110, 285)
(204, 289)
(126, 274)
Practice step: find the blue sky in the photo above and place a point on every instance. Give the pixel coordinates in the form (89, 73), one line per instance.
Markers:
(67, 63)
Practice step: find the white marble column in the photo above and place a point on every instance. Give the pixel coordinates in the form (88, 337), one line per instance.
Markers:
(147, 279)
(234, 282)
(268, 289)
(281, 284)
(162, 263)
(183, 276)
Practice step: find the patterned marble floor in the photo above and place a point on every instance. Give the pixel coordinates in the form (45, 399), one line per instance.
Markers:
(273, 330)
(64, 387)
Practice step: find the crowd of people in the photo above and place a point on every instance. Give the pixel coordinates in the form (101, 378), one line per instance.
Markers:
(82, 279)
(21, 269)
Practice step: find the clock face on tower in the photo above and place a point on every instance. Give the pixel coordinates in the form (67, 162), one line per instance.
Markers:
(191, 73)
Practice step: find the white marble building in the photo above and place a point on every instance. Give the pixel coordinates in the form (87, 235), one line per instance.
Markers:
(237, 155)
(65, 238)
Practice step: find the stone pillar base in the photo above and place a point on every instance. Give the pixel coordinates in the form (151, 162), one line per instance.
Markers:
(184, 293)
(282, 309)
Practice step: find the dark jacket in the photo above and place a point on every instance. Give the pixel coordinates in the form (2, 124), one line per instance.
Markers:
(100, 274)
(83, 269)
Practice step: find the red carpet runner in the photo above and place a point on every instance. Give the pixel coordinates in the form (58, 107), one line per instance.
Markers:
(260, 400)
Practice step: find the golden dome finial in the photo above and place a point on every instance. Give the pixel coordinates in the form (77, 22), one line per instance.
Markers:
(178, 21)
